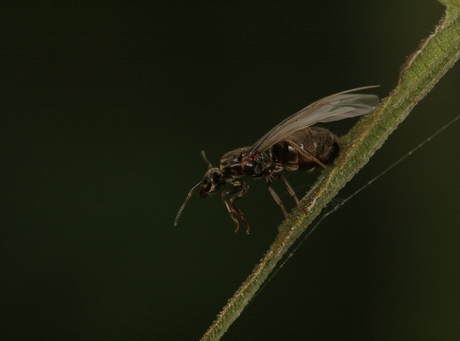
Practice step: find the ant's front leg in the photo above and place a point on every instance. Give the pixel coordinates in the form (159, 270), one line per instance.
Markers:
(238, 190)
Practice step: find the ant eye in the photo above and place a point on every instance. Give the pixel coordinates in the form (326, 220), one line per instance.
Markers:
(208, 182)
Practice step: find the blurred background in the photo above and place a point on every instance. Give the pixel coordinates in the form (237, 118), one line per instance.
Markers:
(104, 108)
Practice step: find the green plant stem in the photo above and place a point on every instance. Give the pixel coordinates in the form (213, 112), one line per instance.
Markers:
(422, 70)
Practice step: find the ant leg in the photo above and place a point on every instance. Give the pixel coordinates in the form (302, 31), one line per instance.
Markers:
(291, 192)
(239, 213)
(239, 191)
(306, 154)
(275, 196)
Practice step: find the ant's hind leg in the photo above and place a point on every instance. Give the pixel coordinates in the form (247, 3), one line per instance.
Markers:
(291, 192)
(275, 196)
(306, 154)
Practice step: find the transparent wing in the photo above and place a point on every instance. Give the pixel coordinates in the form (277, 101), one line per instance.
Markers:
(331, 108)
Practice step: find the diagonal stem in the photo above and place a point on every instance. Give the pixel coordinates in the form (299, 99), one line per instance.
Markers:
(422, 70)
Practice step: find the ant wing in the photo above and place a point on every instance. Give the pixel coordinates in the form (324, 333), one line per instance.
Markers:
(331, 108)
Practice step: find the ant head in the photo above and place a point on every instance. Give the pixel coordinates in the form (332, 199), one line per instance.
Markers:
(212, 181)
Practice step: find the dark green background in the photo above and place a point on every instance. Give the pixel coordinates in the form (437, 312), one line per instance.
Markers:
(105, 107)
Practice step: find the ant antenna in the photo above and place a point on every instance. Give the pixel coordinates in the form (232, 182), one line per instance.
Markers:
(203, 154)
(185, 202)
(191, 191)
